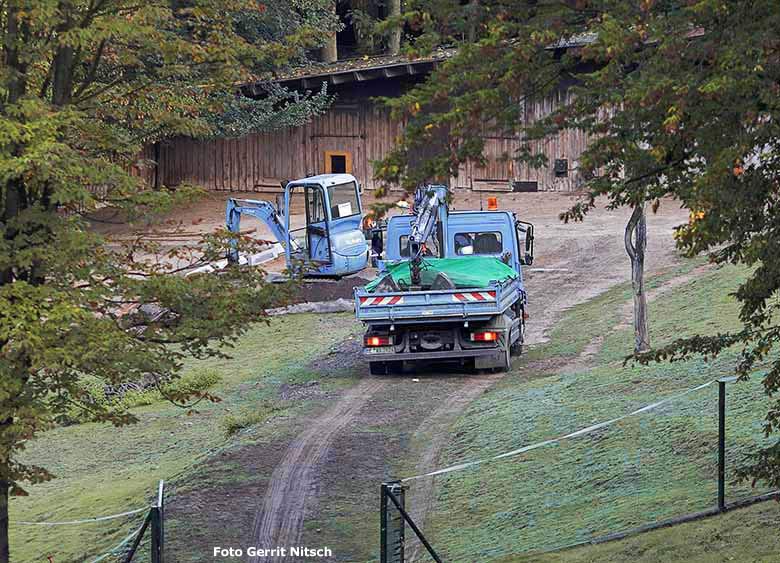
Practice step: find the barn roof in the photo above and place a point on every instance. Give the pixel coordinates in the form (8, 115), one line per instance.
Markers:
(359, 70)
(366, 68)
(372, 67)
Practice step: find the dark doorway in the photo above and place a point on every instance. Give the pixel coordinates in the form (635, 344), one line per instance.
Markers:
(338, 163)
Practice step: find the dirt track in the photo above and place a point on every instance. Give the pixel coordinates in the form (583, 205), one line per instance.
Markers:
(574, 262)
(280, 521)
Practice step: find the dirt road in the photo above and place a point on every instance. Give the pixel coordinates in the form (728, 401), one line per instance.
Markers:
(574, 263)
(280, 521)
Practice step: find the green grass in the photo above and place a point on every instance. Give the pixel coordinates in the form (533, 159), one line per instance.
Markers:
(232, 424)
(646, 468)
(747, 535)
(104, 470)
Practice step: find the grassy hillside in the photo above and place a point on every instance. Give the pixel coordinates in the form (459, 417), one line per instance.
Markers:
(646, 468)
(747, 535)
(103, 470)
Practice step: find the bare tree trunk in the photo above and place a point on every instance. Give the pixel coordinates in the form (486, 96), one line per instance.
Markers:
(394, 43)
(329, 53)
(636, 243)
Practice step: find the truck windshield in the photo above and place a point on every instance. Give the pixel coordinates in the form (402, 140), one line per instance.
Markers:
(478, 243)
(343, 200)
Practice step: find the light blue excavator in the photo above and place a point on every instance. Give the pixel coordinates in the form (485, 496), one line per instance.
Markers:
(329, 243)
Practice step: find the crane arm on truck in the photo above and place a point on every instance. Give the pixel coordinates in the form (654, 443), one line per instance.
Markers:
(430, 209)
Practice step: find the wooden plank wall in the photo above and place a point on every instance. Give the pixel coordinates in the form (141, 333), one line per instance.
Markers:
(500, 169)
(260, 162)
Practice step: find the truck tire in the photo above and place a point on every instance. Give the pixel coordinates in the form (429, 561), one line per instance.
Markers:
(507, 359)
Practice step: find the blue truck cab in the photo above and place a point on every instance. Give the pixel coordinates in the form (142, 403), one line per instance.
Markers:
(469, 233)
(479, 327)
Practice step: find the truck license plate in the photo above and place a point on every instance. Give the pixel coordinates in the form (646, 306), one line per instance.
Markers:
(381, 350)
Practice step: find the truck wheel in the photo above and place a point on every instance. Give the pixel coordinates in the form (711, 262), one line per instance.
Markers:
(517, 348)
(377, 368)
(507, 359)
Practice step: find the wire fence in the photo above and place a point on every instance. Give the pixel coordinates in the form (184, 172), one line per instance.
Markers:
(150, 528)
(669, 461)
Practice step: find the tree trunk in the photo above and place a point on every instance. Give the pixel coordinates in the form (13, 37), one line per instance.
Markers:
(473, 13)
(636, 243)
(394, 42)
(16, 32)
(329, 53)
(5, 554)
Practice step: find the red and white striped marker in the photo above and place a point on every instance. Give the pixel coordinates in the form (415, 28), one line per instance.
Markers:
(376, 301)
(474, 296)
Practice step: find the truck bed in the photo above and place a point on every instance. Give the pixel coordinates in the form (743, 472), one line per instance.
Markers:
(439, 305)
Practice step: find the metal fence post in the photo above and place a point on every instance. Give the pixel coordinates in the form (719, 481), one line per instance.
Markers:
(161, 504)
(157, 527)
(722, 441)
(391, 541)
(156, 535)
(383, 524)
(721, 445)
(398, 527)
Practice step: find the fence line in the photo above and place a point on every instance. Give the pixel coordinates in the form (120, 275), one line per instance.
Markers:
(85, 520)
(115, 550)
(154, 519)
(392, 536)
(581, 432)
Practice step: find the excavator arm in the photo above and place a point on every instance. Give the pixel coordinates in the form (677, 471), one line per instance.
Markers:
(263, 210)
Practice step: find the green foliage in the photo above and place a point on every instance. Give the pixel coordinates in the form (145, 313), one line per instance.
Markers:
(194, 381)
(296, 27)
(84, 86)
(277, 109)
(235, 422)
(678, 99)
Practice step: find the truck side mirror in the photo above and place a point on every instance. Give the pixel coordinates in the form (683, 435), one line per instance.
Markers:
(528, 258)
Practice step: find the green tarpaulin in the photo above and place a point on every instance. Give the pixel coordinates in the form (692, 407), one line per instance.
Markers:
(464, 271)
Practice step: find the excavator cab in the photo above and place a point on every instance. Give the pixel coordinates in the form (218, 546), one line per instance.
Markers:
(318, 222)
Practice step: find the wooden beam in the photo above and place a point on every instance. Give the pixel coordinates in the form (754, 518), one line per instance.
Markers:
(399, 70)
(342, 78)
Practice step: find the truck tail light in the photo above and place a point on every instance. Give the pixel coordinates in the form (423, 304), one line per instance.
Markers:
(484, 336)
(374, 341)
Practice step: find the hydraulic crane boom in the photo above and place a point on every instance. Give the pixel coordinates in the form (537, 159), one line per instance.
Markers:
(430, 210)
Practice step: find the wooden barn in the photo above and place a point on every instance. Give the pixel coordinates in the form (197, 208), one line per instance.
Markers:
(356, 131)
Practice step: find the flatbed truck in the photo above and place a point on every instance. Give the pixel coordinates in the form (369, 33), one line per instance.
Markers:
(438, 318)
